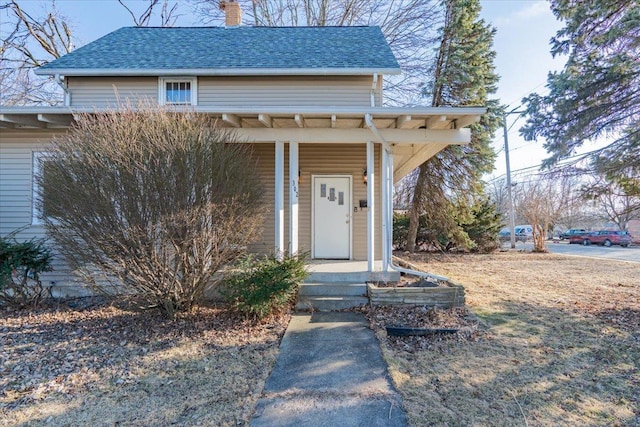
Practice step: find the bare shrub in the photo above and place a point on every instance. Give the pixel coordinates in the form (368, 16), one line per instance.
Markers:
(542, 201)
(150, 202)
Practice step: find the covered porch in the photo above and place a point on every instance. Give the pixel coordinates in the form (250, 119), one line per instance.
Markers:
(394, 141)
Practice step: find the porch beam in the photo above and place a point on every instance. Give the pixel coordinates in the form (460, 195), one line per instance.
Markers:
(232, 119)
(466, 121)
(436, 122)
(371, 252)
(403, 121)
(265, 119)
(22, 120)
(55, 119)
(279, 198)
(362, 135)
(422, 154)
(293, 196)
(405, 150)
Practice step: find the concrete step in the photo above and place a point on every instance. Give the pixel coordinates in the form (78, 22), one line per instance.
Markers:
(333, 289)
(329, 303)
(353, 277)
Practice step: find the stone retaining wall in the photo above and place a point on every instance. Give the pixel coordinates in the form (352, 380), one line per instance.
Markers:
(442, 296)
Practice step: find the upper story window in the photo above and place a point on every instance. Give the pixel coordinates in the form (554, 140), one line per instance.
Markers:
(178, 91)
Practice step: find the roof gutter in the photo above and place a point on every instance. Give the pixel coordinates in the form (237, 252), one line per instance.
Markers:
(354, 112)
(65, 88)
(155, 72)
(374, 85)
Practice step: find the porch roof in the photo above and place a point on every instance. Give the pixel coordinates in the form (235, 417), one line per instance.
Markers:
(413, 134)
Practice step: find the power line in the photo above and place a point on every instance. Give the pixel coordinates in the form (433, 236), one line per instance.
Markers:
(564, 162)
(528, 92)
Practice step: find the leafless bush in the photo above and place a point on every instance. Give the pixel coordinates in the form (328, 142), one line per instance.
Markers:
(542, 201)
(150, 202)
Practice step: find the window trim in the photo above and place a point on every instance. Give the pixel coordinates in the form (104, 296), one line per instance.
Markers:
(37, 156)
(162, 91)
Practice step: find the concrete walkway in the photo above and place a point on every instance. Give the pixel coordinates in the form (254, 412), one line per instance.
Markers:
(330, 372)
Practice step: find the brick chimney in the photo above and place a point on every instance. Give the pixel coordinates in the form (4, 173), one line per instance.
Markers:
(232, 12)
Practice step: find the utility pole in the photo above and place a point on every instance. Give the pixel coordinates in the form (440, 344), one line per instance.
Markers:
(512, 215)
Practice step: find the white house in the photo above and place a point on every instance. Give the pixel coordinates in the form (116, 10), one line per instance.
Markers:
(309, 99)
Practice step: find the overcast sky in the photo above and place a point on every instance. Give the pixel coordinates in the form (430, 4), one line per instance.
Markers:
(522, 45)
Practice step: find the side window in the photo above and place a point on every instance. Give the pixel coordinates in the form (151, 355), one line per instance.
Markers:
(178, 91)
(39, 160)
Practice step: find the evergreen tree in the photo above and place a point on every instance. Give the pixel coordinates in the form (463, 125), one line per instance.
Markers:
(597, 94)
(483, 225)
(464, 76)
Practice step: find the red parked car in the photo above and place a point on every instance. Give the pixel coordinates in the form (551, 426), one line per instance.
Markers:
(605, 238)
(581, 238)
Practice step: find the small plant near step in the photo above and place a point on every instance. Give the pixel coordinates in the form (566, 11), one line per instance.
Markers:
(20, 266)
(262, 287)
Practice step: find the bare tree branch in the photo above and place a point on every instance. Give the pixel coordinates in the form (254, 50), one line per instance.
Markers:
(408, 25)
(31, 42)
(168, 15)
(543, 201)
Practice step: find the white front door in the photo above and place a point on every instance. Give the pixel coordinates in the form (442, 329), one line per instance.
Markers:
(332, 217)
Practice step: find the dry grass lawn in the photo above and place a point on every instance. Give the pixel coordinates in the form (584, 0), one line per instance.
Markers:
(549, 341)
(106, 366)
(558, 345)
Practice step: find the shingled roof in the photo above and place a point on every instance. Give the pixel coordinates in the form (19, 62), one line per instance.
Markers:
(230, 51)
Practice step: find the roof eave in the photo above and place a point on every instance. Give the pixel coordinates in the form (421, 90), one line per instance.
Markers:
(154, 72)
(360, 111)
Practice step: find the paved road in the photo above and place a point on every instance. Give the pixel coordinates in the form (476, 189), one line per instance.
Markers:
(631, 253)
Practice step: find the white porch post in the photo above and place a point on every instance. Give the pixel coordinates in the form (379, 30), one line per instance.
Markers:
(386, 197)
(279, 199)
(293, 196)
(390, 192)
(371, 186)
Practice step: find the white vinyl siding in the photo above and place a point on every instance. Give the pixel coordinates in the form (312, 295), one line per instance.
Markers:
(17, 148)
(16, 191)
(111, 91)
(240, 92)
(301, 91)
(319, 159)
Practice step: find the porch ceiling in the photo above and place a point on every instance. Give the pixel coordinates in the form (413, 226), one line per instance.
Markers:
(414, 134)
